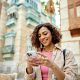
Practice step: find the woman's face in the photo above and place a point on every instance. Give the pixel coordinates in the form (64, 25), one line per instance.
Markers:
(45, 36)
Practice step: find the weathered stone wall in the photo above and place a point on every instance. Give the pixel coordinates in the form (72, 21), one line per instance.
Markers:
(7, 77)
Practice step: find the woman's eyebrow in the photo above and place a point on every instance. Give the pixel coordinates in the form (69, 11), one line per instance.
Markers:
(45, 31)
(42, 32)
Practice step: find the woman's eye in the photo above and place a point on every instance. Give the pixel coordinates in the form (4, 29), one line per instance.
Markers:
(45, 33)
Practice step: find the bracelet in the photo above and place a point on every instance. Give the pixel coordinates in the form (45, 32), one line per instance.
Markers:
(28, 71)
(30, 74)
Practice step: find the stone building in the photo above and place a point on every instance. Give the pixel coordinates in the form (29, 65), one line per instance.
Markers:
(70, 27)
(18, 19)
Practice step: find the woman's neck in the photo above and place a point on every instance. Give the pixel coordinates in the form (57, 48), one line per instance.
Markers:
(49, 48)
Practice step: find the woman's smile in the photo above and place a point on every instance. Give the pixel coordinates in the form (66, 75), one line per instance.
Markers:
(44, 41)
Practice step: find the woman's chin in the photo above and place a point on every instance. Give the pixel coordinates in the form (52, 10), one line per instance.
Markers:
(45, 45)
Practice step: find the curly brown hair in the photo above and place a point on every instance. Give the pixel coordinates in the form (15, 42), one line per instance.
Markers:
(56, 36)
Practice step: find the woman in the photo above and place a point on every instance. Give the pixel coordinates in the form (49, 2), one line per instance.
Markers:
(49, 64)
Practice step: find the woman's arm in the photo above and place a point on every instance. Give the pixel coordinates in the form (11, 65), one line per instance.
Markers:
(30, 73)
(55, 69)
(60, 75)
(70, 68)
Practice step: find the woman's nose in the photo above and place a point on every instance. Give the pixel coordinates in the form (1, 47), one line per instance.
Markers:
(42, 37)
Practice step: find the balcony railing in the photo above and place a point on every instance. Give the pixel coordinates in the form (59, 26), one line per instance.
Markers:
(8, 49)
(32, 5)
(32, 17)
(12, 9)
(11, 22)
(10, 34)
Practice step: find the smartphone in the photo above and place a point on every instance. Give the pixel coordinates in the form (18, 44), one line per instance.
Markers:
(31, 53)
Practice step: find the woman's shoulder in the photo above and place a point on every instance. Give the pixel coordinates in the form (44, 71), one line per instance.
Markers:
(68, 53)
(65, 50)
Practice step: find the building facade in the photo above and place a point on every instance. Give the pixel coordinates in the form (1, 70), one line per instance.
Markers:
(17, 21)
(0, 17)
(70, 27)
(0, 7)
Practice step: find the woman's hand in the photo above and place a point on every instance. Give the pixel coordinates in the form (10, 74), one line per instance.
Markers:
(43, 60)
(40, 59)
(31, 61)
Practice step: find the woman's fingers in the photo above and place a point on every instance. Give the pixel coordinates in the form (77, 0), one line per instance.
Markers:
(39, 60)
(32, 61)
(41, 55)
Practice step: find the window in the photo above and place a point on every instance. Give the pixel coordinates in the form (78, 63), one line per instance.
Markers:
(71, 17)
(9, 38)
(13, 15)
(78, 11)
(9, 41)
(35, 5)
(27, 1)
(71, 11)
(14, 1)
(8, 70)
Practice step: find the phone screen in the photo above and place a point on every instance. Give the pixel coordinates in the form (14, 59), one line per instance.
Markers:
(31, 53)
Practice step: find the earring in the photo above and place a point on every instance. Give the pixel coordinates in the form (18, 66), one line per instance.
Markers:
(41, 46)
